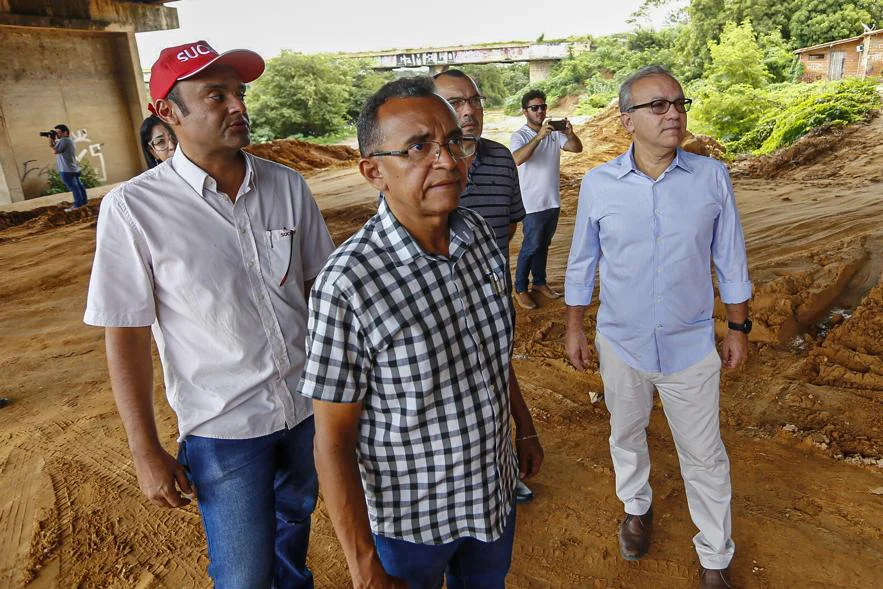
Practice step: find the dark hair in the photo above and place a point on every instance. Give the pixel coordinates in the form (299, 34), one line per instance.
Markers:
(530, 96)
(146, 131)
(625, 89)
(172, 96)
(62, 127)
(455, 73)
(367, 129)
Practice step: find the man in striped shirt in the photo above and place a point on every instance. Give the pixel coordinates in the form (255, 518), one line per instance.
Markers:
(493, 192)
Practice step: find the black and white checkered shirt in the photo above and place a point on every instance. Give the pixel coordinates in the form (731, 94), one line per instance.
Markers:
(423, 341)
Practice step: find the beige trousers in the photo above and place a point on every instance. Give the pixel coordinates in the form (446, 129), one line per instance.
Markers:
(690, 399)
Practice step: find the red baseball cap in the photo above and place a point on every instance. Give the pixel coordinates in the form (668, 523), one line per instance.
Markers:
(185, 61)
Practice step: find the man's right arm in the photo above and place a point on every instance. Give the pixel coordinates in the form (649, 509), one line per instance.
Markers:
(131, 377)
(337, 431)
(523, 153)
(576, 345)
(579, 278)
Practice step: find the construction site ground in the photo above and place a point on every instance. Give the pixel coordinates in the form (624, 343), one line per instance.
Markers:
(801, 421)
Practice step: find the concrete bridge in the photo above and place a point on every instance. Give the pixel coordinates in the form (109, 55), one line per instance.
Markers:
(540, 56)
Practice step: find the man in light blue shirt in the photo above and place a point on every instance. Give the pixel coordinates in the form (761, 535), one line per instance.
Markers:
(654, 220)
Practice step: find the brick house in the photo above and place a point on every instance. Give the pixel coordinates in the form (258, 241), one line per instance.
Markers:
(860, 57)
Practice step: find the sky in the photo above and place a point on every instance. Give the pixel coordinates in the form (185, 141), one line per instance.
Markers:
(314, 26)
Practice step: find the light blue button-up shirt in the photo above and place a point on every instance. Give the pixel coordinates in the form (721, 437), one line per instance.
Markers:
(654, 240)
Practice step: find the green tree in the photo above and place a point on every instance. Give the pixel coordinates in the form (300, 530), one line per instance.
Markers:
(737, 58)
(498, 82)
(301, 95)
(778, 56)
(821, 21)
(365, 82)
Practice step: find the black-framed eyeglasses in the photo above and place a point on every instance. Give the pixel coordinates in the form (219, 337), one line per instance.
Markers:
(477, 102)
(660, 106)
(459, 148)
(536, 107)
(162, 143)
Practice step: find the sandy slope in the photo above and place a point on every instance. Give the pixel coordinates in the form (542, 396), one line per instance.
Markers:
(801, 421)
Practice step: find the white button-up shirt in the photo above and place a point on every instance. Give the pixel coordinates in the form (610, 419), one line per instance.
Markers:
(222, 285)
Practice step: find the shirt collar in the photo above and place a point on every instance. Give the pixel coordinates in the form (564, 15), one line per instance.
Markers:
(480, 150)
(627, 162)
(403, 245)
(199, 179)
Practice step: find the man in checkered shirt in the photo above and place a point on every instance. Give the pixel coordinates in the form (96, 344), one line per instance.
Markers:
(410, 335)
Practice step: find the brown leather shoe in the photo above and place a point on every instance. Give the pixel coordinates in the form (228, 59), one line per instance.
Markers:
(634, 535)
(524, 300)
(714, 579)
(547, 292)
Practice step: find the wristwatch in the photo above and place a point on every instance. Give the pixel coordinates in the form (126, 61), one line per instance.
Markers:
(744, 327)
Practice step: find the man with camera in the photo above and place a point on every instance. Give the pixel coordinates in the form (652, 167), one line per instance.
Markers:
(536, 148)
(66, 163)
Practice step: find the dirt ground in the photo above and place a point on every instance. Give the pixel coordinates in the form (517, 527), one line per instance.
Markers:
(801, 421)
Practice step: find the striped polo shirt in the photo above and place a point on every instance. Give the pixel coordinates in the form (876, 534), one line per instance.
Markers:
(492, 190)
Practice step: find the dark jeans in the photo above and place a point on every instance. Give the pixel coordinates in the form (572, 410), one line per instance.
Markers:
(75, 185)
(465, 563)
(538, 229)
(256, 497)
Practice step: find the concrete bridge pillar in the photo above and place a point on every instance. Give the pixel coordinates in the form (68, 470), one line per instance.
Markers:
(539, 70)
(437, 69)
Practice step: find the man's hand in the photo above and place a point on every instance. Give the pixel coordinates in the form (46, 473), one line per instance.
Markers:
(568, 128)
(577, 348)
(377, 578)
(545, 130)
(530, 456)
(158, 473)
(734, 350)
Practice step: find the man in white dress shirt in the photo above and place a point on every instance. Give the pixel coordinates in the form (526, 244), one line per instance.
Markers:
(216, 250)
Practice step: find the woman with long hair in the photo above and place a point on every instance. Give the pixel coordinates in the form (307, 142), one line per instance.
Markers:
(158, 141)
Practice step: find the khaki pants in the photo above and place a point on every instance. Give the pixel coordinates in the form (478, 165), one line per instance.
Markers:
(690, 399)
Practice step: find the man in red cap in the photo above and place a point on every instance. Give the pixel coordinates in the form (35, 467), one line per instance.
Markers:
(215, 250)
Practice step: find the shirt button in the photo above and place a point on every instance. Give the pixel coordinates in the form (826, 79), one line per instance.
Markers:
(659, 326)
(658, 240)
(658, 299)
(659, 270)
(658, 212)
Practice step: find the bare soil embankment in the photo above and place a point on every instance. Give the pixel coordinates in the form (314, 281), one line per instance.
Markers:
(801, 421)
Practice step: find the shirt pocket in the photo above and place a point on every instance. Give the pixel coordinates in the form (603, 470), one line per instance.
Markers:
(282, 252)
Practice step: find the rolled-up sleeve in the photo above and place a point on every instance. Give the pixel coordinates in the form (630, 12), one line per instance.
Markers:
(121, 286)
(585, 251)
(337, 362)
(728, 247)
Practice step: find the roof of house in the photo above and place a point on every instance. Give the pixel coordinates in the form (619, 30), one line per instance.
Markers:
(839, 42)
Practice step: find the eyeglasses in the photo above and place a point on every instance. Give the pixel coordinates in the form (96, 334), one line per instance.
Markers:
(476, 102)
(459, 148)
(163, 143)
(661, 105)
(536, 107)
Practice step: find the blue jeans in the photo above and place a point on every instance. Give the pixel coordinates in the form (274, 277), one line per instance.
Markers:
(75, 185)
(465, 563)
(256, 497)
(538, 229)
